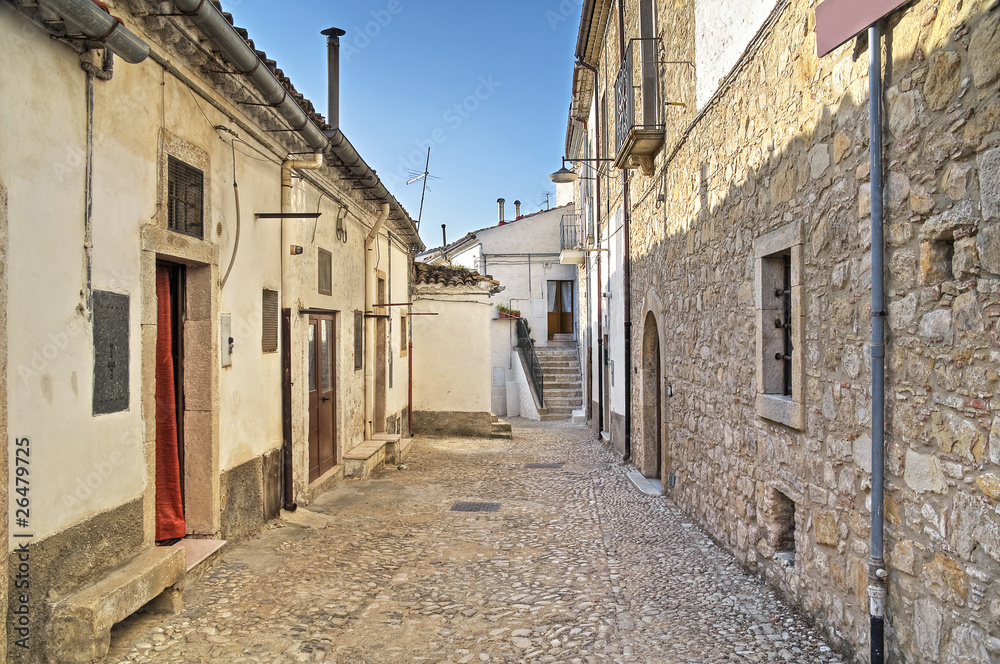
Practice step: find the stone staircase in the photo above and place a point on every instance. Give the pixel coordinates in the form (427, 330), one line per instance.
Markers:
(563, 382)
(501, 428)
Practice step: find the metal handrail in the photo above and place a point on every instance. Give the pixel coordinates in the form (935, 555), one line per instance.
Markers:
(528, 353)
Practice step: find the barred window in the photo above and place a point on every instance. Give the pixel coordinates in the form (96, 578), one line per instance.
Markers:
(325, 263)
(269, 333)
(359, 340)
(185, 198)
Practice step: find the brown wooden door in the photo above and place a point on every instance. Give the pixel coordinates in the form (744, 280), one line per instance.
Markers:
(561, 304)
(322, 396)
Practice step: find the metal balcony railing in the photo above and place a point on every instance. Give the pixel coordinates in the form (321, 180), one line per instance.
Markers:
(637, 77)
(569, 232)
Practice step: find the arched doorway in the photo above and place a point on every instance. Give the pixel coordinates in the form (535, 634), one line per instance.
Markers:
(652, 416)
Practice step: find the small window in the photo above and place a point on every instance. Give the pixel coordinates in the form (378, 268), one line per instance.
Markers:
(269, 317)
(325, 272)
(404, 339)
(359, 340)
(185, 198)
(780, 326)
(779, 521)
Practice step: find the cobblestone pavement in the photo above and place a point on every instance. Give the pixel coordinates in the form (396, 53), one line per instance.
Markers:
(576, 566)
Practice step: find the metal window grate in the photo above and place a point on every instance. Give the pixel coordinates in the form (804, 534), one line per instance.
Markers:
(111, 352)
(784, 293)
(269, 326)
(475, 507)
(325, 272)
(359, 340)
(185, 198)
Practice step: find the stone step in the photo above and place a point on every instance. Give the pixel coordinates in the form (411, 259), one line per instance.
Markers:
(81, 623)
(571, 404)
(501, 429)
(573, 391)
(393, 442)
(365, 460)
(561, 385)
(560, 370)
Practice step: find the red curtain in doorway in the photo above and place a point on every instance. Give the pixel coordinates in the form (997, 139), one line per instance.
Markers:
(169, 509)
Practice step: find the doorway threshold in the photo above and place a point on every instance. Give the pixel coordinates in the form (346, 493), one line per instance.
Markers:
(650, 487)
(197, 551)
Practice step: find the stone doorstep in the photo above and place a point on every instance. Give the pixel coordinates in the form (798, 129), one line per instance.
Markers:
(403, 451)
(197, 551)
(81, 623)
(200, 557)
(365, 459)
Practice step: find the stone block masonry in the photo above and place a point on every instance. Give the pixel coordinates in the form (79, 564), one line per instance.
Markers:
(786, 140)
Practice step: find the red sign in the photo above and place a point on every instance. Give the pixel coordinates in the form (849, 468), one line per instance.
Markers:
(840, 20)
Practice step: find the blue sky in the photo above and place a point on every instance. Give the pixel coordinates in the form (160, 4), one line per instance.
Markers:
(486, 84)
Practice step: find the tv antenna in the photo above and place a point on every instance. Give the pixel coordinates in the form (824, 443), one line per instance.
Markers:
(425, 176)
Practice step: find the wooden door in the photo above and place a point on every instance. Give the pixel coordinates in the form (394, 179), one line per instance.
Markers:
(561, 303)
(322, 396)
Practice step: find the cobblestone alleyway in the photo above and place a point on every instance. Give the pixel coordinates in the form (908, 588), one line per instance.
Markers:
(577, 565)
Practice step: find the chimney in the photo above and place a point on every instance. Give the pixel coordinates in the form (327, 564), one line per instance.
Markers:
(517, 209)
(333, 36)
(444, 236)
(500, 202)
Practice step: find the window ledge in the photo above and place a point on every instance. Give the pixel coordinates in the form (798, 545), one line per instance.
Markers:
(781, 409)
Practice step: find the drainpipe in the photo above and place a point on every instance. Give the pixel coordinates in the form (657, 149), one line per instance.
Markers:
(597, 233)
(876, 565)
(286, 288)
(99, 25)
(369, 307)
(626, 269)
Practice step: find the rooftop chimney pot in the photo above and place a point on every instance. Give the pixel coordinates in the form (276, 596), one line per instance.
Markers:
(500, 202)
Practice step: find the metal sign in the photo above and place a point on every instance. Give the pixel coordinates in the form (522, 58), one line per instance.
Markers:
(111, 352)
(837, 21)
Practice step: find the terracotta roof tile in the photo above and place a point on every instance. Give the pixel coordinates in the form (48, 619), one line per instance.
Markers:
(445, 275)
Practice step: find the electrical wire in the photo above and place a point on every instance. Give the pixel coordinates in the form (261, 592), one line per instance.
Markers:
(236, 243)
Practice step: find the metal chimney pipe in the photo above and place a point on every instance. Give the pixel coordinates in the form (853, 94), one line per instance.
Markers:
(500, 202)
(444, 236)
(517, 209)
(333, 36)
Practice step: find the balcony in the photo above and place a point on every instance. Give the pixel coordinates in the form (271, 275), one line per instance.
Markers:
(571, 242)
(638, 140)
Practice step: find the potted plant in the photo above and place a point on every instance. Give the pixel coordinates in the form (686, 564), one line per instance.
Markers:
(507, 312)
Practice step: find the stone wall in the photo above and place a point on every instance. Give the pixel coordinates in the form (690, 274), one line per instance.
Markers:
(785, 141)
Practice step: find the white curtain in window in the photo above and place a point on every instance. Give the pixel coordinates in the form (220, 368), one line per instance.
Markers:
(567, 297)
(552, 296)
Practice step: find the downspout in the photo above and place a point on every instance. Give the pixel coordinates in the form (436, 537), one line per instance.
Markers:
(626, 269)
(597, 233)
(369, 308)
(286, 355)
(876, 565)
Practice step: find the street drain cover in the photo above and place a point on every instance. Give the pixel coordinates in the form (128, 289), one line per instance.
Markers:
(475, 507)
(544, 465)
